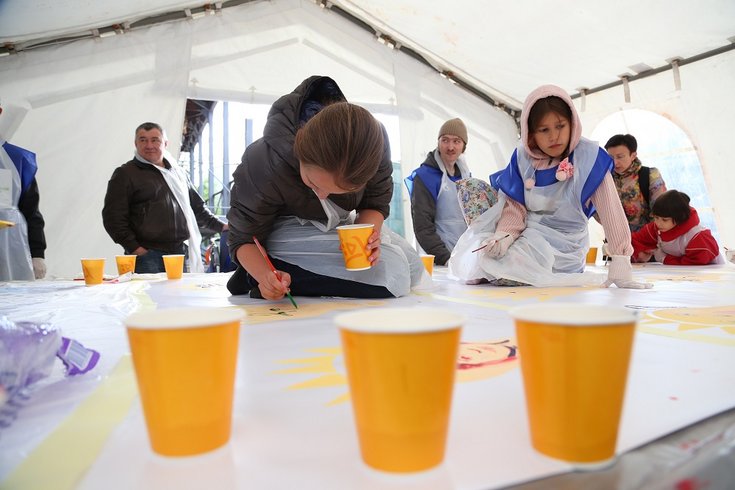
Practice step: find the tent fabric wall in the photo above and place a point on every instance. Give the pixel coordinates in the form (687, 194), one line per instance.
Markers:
(85, 99)
(703, 109)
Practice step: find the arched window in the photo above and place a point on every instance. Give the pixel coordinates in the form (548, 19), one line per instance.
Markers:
(664, 145)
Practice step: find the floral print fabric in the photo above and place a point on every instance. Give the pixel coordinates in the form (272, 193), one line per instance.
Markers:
(636, 209)
(475, 197)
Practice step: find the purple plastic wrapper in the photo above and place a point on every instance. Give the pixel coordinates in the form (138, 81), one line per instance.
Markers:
(77, 358)
(27, 353)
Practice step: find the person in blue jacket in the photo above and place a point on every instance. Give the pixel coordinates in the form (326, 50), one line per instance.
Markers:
(438, 221)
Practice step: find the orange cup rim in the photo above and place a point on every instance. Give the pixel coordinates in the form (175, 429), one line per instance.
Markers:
(573, 314)
(355, 226)
(400, 320)
(181, 318)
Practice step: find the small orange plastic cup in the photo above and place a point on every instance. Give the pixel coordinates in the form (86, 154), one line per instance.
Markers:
(354, 239)
(591, 256)
(401, 364)
(574, 360)
(174, 265)
(125, 264)
(428, 261)
(185, 363)
(93, 270)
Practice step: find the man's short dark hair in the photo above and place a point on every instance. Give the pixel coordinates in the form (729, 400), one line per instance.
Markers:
(626, 140)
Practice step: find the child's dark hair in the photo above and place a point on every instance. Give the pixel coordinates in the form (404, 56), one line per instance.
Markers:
(345, 140)
(626, 140)
(543, 106)
(672, 204)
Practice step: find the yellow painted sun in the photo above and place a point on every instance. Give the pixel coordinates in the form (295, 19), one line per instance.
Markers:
(323, 366)
(715, 324)
(476, 361)
(700, 276)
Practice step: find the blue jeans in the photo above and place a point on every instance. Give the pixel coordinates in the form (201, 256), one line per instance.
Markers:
(152, 262)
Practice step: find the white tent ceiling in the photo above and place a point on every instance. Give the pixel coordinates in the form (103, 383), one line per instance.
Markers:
(85, 90)
(503, 48)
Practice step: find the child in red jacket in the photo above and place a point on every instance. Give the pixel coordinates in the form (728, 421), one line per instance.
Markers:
(675, 237)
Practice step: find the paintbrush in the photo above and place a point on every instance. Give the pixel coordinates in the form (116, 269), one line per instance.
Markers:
(491, 241)
(270, 264)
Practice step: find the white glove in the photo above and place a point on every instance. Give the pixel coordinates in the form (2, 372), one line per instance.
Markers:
(620, 273)
(39, 267)
(497, 245)
(659, 255)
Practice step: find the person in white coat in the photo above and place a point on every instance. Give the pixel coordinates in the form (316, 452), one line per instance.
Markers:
(22, 237)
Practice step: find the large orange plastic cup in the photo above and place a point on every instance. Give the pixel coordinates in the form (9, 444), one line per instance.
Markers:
(400, 366)
(354, 239)
(174, 265)
(93, 270)
(185, 363)
(125, 263)
(574, 360)
(428, 261)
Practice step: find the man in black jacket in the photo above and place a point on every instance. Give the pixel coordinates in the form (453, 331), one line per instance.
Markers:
(151, 207)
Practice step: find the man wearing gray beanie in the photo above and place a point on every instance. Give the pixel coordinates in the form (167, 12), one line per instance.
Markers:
(437, 217)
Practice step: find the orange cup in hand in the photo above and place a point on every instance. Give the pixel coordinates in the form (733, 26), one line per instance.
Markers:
(354, 240)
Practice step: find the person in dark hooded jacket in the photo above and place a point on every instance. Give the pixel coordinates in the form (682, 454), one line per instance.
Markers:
(322, 162)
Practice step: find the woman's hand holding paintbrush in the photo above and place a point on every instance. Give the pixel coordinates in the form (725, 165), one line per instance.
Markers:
(273, 284)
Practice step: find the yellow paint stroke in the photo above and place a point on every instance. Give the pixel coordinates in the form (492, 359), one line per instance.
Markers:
(138, 293)
(61, 460)
(524, 293)
(686, 319)
(516, 293)
(273, 312)
(688, 336)
(321, 382)
(323, 365)
(484, 304)
(701, 276)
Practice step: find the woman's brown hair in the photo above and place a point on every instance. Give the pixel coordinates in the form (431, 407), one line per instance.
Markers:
(345, 140)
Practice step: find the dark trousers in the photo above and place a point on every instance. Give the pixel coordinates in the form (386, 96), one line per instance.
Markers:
(306, 283)
(152, 261)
